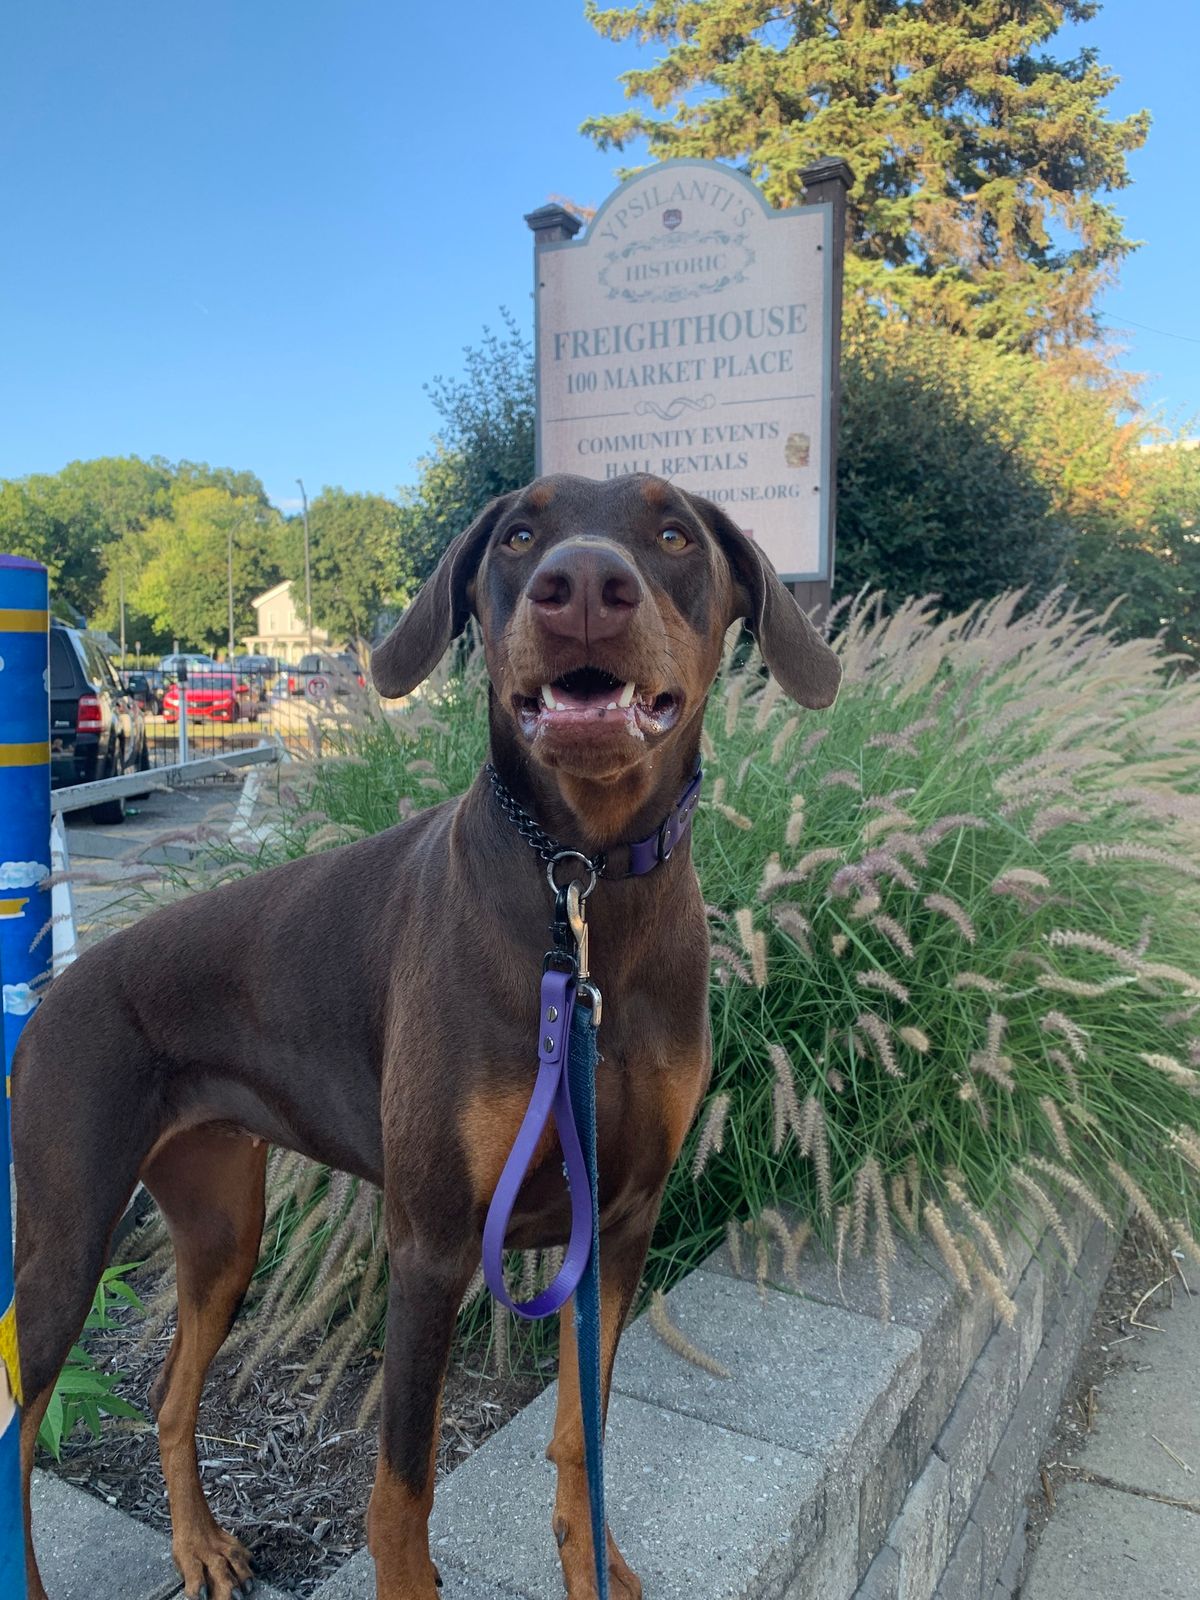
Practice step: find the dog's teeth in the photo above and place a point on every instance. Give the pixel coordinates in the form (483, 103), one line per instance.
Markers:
(626, 696)
(548, 699)
(612, 705)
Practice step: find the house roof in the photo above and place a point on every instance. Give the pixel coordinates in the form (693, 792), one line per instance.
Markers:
(272, 594)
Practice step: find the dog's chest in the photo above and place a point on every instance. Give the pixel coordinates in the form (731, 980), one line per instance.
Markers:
(645, 1102)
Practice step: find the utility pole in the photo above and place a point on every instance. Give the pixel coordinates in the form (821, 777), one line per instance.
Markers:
(230, 568)
(307, 567)
(121, 578)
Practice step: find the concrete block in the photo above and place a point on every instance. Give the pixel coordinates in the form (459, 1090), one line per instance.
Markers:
(828, 1383)
(1141, 1404)
(882, 1581)
(1029, 1300)
(920, 1534)
(994, 1514)
(1103, 1545)
(1083, 1231)
(696, 1509)
(976, 1326)
(1003, 1353)
(923, 1298)
(999, 1504)
(1021, 1243)
(901, 1459)
(1096, 1257)
(962, 1577)
(1013, 1565)
(969, 1439)
(831, 1571)
(86, 1548)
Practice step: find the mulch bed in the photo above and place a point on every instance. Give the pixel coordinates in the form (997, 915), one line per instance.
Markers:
(296, 1498)
(1132, 1292)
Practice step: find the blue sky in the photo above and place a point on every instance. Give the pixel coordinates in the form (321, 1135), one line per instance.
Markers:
(248, 231)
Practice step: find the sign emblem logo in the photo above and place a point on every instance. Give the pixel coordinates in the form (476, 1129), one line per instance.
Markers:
(672, 218)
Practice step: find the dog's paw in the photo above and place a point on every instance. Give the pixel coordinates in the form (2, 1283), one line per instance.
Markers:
(579, 1575)
(623, 1581)
(213, 1564)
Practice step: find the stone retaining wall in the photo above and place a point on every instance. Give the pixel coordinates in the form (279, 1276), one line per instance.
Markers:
(842, 1457)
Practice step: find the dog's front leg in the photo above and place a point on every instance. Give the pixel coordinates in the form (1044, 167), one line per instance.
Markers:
(622, 1256)
(423, 1299)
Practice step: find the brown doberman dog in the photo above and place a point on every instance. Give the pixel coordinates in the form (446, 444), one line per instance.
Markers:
(403, 1048)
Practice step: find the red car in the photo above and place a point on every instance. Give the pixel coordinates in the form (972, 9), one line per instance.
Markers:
(220, 696)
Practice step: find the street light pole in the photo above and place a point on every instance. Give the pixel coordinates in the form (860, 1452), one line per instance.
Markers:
(307, 567)
(230, 569)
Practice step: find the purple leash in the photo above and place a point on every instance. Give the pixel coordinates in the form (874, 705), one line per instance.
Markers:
(550, 1094)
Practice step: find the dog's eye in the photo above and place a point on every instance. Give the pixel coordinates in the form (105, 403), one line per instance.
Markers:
(675, 539)
(519, 539)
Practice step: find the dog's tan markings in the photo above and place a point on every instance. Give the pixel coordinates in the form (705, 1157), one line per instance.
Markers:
(540, 496)
(489, 1126)
(398, 1533)
(656, 493)
(209, 1186)
(683, 1085)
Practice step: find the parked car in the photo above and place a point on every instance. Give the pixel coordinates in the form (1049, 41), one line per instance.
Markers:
(219, 696)
(259, 671)
(341, 669)
(192, 660)
(147, 686)
(97, 729)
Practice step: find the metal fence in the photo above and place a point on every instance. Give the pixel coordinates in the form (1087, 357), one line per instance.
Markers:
(260, 707)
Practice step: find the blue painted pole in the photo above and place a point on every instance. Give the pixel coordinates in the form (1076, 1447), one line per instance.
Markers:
(24, 912)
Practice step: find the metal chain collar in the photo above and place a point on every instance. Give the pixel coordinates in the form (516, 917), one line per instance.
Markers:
(534, 836)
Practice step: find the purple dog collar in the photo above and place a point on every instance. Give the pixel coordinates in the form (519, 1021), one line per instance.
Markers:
(646, 854)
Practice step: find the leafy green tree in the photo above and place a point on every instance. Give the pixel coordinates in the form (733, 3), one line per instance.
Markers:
(70, 519)
(980, 158)
(182, 586)
(358, 563)
(485, 446)
(1142, 547)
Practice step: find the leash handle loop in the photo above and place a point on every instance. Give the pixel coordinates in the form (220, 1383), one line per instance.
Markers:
(551, 1096)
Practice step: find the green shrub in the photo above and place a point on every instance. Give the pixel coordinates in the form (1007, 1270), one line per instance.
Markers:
(939, 490)
(956, 964)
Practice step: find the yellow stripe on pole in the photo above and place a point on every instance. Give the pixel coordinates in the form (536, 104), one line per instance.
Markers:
(8, 1351)
(14, 620)
(25, 755)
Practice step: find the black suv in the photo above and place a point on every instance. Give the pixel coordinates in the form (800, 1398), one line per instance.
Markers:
(96, 726)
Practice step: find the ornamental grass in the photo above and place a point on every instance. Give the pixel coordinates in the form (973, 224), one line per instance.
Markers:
(956, 959)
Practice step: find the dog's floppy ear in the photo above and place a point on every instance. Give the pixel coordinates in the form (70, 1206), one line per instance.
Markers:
(438, 614)
(800, 661)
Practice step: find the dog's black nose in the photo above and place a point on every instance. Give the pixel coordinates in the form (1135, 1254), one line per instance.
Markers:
(585, 590)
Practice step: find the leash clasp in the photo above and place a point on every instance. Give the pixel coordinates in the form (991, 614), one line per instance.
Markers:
(586, 992)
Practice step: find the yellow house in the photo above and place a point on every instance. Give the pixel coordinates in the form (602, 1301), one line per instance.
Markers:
(281, 631)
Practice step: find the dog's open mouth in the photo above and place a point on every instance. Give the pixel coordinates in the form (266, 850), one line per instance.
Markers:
(591, 697)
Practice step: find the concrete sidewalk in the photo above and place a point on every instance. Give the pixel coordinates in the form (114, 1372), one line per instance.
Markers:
(103, 854)
(1130, 1522)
